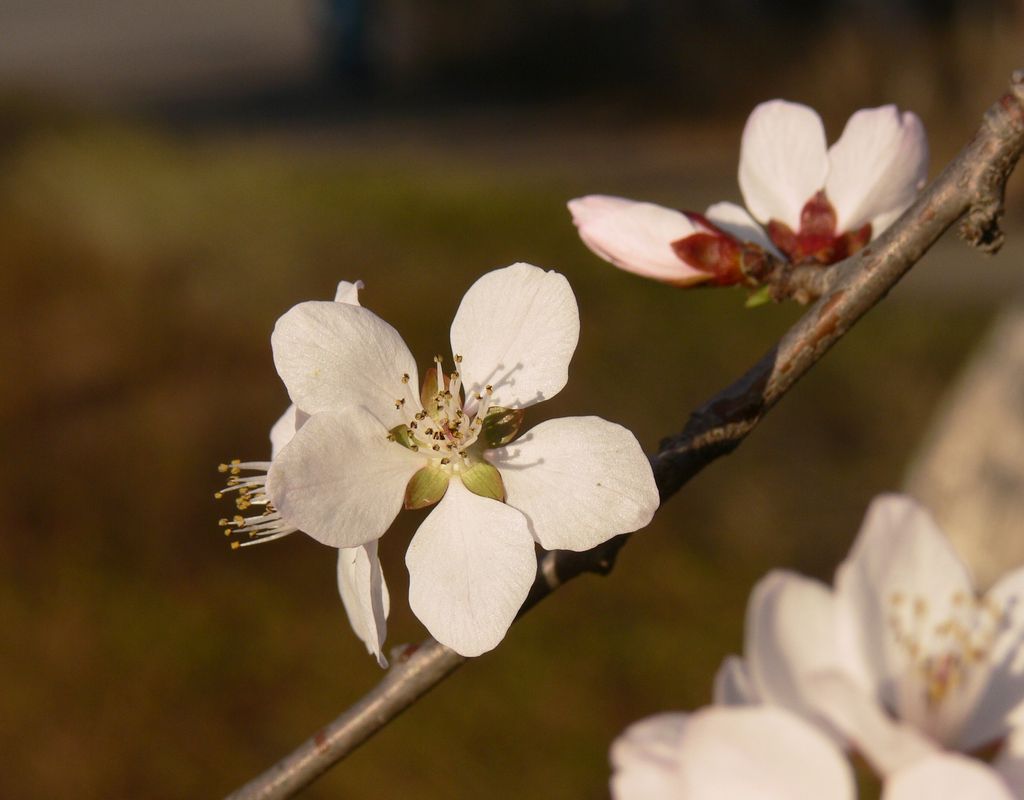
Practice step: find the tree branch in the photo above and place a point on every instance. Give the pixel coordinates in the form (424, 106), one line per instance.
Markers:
(972, 187)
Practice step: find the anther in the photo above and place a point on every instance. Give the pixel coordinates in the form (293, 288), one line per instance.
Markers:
(446, 461)
(405, 377)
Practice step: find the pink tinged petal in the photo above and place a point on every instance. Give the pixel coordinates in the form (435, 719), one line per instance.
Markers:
(733, 686)
(783, 161)
(516, 330)
(735, 220)
(340, 480)
(579, 481)
(365, 596)
(332, 355)
(877, 167)
(1000, 705)
(790, 633)
(761, 752)
(947, 776)
(887, 745)
(637, 237)
(348, 292)
(471, 565)
(901, 569)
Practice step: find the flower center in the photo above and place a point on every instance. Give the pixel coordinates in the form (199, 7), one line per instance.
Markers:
(817, 241)
(264, 526)
(444, 428)
(947, 654)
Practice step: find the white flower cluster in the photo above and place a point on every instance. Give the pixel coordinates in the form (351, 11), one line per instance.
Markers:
(361, 440)
(902, 662)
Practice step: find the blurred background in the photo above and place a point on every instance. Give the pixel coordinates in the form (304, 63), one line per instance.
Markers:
(174, 176)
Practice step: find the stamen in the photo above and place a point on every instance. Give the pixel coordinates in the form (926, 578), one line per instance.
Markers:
(264, 526)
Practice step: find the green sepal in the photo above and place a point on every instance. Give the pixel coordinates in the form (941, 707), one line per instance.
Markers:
(484, 480)
(501, 425)
(404, 436)
(426, 487)
(761, 297)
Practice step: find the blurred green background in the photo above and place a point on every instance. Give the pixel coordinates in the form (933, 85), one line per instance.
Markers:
(154, 224)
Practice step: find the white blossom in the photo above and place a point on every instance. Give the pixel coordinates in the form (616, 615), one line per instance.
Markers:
(903, 630)
(373, 443)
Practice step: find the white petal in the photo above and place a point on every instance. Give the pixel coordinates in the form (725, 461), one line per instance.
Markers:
(900, 562)
(733, 686)
(876, 167)
(284, 429)
(783, 161)
(365, 596)
(946, 776)
(735, 220)
(646, 758)
(331, 355)
(1001, 703)
(471, 565)
(516, 330)
(761, 752)
(348, 292)
(636, 236)
(887, 745)
(579, 481)
(790, 633)
(292, 419)
(340, 480)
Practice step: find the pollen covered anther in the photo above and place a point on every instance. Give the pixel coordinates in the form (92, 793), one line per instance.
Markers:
(250, 490)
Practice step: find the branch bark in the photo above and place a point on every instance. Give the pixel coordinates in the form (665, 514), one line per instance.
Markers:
(970, 187)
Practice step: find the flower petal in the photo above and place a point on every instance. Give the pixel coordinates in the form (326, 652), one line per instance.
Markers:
(284, 429)
(579, 481)
(1001, 704)
(783, 161)
(762, 752)
(332, 354)
(348, 292)
(645, 759)
(735, 220)
(365, 596)
(340, 480)
(790, 633)
(636, 236)
(887, 745)
(516, 330)
(946, 776)
(733, 686)
(876, 167)
(901, 566)
(471, 565)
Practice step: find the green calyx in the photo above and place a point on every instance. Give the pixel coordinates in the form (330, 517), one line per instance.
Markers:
(761, 297)
(426, 487)
(404, 437)
(484, 480)
(501, 425)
